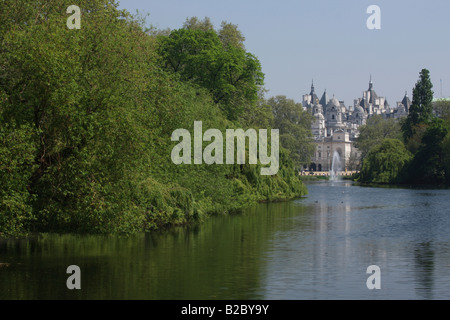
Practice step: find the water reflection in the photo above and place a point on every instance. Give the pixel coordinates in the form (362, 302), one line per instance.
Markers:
(318, 247)
(424, 269)
(355, 227)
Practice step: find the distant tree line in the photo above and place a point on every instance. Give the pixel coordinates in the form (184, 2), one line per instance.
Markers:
(413, 151)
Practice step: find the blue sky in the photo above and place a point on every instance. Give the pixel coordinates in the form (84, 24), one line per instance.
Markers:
(328, 41)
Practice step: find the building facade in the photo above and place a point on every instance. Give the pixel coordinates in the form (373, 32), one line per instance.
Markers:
(335, 126)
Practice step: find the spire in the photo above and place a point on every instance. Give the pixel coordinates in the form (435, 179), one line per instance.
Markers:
(406, 101)
(370, 83)
(324, 100)
(314, 98)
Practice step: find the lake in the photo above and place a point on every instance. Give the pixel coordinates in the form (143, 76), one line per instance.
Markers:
(317, 247)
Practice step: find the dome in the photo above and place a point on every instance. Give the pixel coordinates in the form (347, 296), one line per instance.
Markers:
(334, 103)
(359, 109)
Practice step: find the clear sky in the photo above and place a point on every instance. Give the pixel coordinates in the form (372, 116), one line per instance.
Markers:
(328, 41)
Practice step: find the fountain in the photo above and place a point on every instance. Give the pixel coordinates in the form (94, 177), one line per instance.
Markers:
(335, 166)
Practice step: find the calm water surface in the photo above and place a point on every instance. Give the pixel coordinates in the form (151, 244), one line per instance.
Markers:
(318, 247)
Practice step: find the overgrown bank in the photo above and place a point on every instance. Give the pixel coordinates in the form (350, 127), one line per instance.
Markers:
(87, 116)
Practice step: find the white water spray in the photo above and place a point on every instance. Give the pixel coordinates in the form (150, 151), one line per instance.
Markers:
(335, 166)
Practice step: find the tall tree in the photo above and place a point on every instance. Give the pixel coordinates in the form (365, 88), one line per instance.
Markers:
(421, 109)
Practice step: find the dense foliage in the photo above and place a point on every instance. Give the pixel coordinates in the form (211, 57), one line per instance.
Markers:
(386, 162)
(295, 128)
(375, 131)
(86, 118)
(423, 155)
(229, 73)
(421, 106)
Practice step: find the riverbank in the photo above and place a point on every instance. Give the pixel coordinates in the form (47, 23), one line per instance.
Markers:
(403, 186)
(314, 178)
(325, 175)
(169, 205)
(356, 179)
(318, 247)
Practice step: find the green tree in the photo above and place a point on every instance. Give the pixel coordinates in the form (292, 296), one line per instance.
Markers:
(194, 23)
(421, 109)
(82, 93)
(446, 157)
(258, 115)
(374, 132)
(230, 35)
(428, 165)
(295, 128)
(414, 143)
(86, 118)
(385, 163)
(17, 150)
(441, 108)
(232, 75)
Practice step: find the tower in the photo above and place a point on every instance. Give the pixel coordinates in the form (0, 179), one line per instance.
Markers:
(314, 98)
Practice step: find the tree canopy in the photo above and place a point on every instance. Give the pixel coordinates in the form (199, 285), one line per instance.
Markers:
(428, 165)
(386, 162)
(295, 128)
(421, 106)
(86, 117)
(232, 75)
(374, 132)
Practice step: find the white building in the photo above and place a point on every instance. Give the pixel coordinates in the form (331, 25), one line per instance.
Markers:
(335, 126)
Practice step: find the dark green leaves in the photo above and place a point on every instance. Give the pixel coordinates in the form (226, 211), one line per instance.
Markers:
(421, 107)
(385, 163)
(229, 73)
